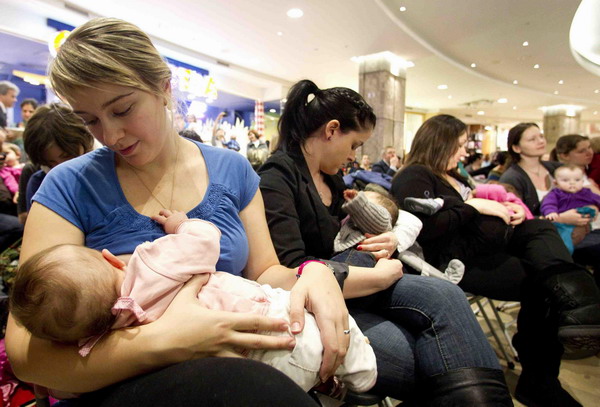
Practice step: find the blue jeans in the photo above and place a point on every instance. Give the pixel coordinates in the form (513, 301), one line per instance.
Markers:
(418, 327)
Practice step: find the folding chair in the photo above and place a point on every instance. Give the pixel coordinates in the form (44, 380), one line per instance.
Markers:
(480, 302)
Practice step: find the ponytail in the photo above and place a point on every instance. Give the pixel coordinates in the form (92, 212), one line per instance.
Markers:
(308, 108)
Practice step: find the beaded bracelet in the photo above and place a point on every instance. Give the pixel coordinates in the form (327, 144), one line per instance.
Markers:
(299, 273)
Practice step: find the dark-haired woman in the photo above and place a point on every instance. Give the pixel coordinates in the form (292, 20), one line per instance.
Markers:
(529, 262)
(532, 178)
(422, 329)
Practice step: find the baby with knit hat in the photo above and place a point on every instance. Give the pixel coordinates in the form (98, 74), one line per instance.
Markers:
(374, 213)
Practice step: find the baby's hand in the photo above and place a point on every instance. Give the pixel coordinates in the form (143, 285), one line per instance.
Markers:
(350, 194)
(170, 219)
(552, 216)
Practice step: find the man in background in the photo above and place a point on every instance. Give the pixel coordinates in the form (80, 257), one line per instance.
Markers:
(389, 162)
(8, 96)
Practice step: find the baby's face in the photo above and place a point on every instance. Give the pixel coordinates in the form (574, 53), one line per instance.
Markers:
(569, 180)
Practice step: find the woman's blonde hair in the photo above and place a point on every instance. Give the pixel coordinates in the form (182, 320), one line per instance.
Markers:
(109, 51)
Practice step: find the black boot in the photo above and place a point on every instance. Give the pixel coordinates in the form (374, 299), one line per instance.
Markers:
(543, 391)
(575, 298)
(477, 387)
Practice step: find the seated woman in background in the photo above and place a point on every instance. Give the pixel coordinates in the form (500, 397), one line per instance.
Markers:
(528, 262)
(532, 178)
(421, 328)
(53, 135)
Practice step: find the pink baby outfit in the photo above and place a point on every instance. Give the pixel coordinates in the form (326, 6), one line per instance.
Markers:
(157, 271)
(496, 192)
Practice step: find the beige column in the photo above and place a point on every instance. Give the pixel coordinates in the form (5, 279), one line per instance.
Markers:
(382, 82)
(560, 120)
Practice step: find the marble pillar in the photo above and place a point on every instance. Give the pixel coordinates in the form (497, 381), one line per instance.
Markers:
(382, 82)
(558, 122)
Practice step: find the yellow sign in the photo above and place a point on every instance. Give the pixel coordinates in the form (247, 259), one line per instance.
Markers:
(56, 41)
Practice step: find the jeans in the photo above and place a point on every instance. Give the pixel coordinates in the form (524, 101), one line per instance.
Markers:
(419, 327)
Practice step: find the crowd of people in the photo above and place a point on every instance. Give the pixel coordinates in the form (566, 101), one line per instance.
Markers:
(209, 278)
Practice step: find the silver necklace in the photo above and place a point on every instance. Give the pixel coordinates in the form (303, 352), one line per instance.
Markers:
(172, 185)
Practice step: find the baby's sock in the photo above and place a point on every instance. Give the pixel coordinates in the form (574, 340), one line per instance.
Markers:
(428, 206)
(454, 271)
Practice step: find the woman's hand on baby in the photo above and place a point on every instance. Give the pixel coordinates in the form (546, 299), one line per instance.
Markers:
(318, 291)
(518, 215)
(382, 246)
(187, 330)
(491, 208)
(572, 217)
(350, 194)
(170, 220)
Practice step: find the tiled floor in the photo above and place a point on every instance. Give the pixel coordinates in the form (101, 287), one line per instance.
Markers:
(581, 377)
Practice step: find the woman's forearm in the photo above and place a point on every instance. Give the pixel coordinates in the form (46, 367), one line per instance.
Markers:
(120, 355)
(278, 276)
(363, 281)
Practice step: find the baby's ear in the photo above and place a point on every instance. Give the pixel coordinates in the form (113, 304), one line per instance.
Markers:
(112, 259)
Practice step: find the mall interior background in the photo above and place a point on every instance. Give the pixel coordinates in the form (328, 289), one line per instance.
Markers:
(492, 64)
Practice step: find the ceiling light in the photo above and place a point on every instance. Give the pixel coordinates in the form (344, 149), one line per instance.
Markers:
(561, 82)
(402, 8)
(595, 112)
(488, 128)
(442, 87)
(449, 96)
(279, 33)
(526, 43)
(556, 92)
(514, 108)
(481, 113)
(295, 13)
(597, 91)
(272, 111)
(502, 100)
(536, 66)
(515, 82)
(473, 65)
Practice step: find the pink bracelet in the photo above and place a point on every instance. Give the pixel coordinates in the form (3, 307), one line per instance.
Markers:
(299, 273)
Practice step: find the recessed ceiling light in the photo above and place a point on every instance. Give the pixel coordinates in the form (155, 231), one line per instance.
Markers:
(502, 100)
(536, 66)
(514, 108)
(449, 96)
(481, 113)
(595, 112)
(295, 13)
(279, 33)
(473, 65)
(442, 87)
(556, 92)
(525, 43)
(272, 111)
(597, 91)
(515, 82)
(561, 82)
(402, 8)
